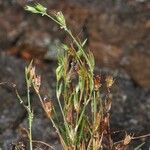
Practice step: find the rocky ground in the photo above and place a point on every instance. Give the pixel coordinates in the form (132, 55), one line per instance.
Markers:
(118, 34)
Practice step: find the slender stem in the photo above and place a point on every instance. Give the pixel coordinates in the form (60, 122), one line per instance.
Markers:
(43, 143)
(81, 116)
(62, 112)
(54, 124)
(94, 107)
(135, 138)
(30, 114)
(52, 18)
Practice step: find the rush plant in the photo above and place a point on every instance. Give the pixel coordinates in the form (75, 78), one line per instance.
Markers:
(85, 124)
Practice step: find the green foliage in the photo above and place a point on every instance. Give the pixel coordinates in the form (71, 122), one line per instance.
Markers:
(78, 90)
(37, 9)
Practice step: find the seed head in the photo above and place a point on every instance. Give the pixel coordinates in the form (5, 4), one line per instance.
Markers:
(109, 81)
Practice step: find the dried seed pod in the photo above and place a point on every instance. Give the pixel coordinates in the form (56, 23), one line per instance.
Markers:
(37, 83)
(109, 81)
(48, 107)
(97, 83)
(127, 140)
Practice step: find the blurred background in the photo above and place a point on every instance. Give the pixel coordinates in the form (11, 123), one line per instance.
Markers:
(117, 32)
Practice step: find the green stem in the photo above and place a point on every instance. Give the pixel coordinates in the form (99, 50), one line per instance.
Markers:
(62, 112)
(94, 107)
(53, 19)
(30, 114)
(81, 116)
(74, 39)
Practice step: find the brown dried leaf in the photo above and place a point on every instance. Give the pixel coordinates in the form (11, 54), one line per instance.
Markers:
(48, 107)
(97, 83)
(69, 115)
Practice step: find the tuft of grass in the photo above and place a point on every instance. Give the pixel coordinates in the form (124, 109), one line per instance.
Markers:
(85, 114)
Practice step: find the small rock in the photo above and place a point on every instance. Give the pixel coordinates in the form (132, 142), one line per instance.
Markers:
(139, 68)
